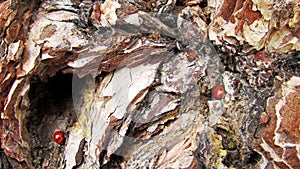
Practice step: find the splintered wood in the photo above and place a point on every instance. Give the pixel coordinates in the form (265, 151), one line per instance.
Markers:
(149, 84)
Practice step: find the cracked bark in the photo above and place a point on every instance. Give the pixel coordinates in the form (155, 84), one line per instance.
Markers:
(130, 83)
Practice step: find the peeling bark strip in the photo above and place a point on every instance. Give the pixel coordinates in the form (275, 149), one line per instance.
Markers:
(130, 83)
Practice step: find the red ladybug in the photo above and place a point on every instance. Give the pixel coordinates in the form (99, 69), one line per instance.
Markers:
(59, 137)
(218, 92)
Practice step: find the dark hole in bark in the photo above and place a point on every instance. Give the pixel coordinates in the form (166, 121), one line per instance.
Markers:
(208, 20)
(114, 162)
(203, 4)
(254, 157)
(238, 160)
(180, 3)
(51, 109)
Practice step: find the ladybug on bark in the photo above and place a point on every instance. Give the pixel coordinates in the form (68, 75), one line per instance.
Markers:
(59, 137)
(218, 92)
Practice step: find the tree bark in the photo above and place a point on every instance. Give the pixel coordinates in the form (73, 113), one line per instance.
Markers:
(150, 84)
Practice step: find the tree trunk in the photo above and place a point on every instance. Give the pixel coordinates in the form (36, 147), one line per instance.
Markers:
(150, 84)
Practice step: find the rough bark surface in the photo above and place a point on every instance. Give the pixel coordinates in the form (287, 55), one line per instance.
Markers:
(133, 84)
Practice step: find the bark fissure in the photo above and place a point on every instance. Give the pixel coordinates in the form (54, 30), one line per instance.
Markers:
(149, 84)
